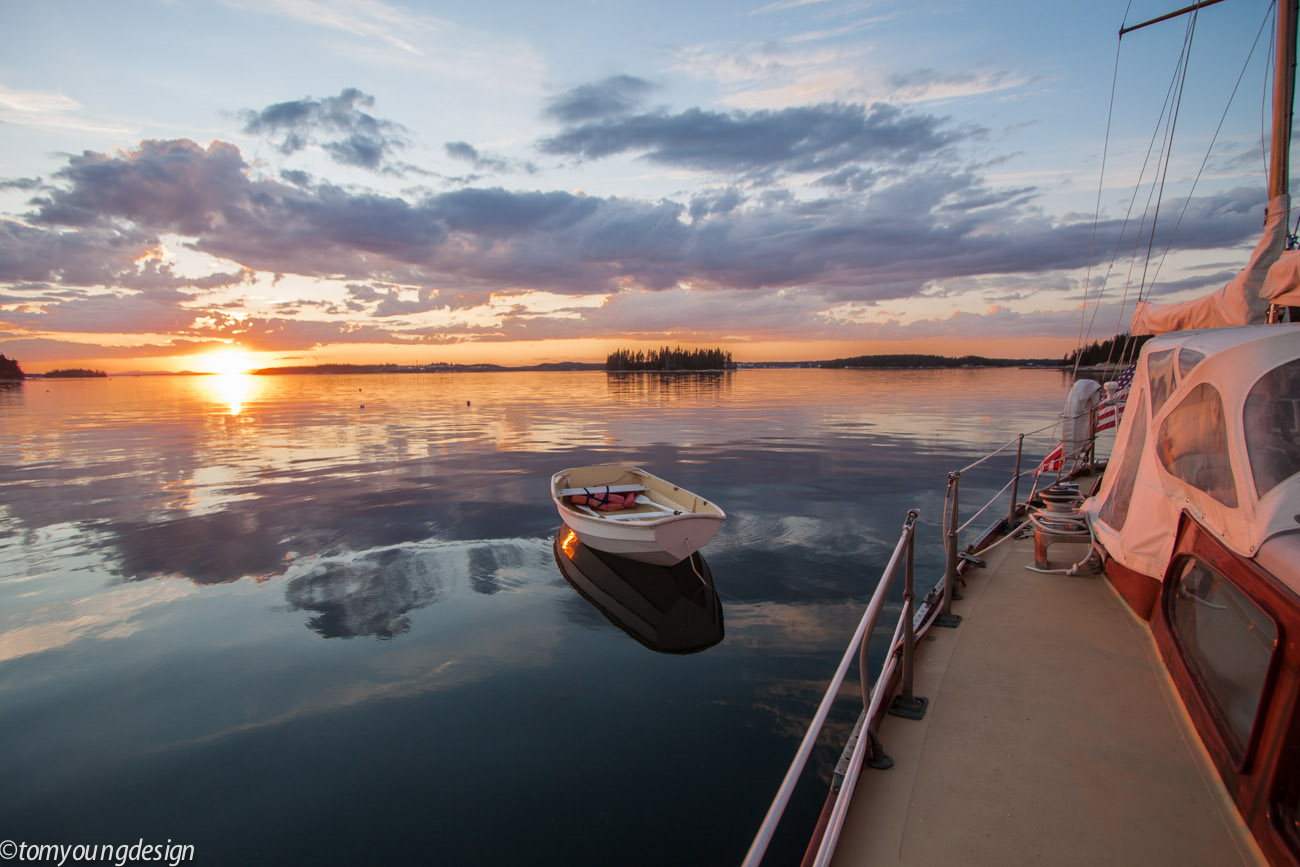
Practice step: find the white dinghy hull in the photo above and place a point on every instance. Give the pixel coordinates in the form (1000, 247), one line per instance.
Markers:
(667, 524)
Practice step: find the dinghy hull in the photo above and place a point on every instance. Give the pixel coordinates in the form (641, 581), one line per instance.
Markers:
(667, 524)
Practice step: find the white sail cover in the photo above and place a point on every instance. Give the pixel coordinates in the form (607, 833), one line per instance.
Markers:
(1245, 300)
(1211, 427)
(1282, 284)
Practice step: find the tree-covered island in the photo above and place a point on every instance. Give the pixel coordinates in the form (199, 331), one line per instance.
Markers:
(9, 370)
(666, 359)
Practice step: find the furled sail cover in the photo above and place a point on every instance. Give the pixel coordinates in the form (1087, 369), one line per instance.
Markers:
(1282, 285)
(1212, 427)
(1242, 302)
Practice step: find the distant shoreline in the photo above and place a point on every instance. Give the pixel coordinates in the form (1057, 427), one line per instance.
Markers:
(882, 362)
(868, 363)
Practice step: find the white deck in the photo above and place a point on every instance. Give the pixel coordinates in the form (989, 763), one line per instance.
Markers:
(1053, 736)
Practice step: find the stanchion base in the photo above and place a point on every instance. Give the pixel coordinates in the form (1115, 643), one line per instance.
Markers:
(879, 760)
(914, 709)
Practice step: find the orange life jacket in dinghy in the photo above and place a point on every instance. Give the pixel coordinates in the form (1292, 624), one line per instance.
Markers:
(604, 500)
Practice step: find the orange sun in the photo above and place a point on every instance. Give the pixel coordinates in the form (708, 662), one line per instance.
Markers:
(228, 362)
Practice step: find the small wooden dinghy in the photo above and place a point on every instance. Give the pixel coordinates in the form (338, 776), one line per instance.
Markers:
(664, 525)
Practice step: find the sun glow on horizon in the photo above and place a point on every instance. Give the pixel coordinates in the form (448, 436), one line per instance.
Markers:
(228, 362)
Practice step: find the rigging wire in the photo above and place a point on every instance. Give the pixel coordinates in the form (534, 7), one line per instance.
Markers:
(1128, 216)
(1169, 150)
(1265, 110)
(1096, 216)
(1240, 77)
(1174, 94)
(1162, 119)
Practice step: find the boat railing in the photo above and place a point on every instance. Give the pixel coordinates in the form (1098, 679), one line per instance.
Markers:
(902, 558)
(952, 510)
(900, 647)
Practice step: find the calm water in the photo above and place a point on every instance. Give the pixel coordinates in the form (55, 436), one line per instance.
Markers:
(319, 620)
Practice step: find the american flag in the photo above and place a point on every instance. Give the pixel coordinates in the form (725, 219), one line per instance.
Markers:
(1053, 460)
(1112, 409)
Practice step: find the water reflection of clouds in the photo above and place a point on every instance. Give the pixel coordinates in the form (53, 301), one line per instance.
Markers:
(481, 641)
(105, 615)
(372, 593)
(518, 433)
(253, 676)
(800, 628)
(351, 594)
(806, 462)
(130, 510)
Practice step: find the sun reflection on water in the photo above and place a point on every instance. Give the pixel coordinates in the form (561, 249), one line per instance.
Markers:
(232, 389)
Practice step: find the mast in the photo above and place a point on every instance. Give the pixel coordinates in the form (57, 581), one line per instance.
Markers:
(1283, 97)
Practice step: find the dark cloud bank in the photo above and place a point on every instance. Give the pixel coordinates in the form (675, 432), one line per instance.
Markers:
(900, 211)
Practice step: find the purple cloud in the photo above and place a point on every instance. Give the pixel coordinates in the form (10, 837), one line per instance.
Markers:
(336, 123)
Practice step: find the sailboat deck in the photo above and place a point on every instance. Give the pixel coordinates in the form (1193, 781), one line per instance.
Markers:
(1053, 736)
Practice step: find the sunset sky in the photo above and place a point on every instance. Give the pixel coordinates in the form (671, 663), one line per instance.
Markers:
(218, 184)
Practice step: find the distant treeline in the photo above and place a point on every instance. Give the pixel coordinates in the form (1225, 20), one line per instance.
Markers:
(1122, 348)
(669, 359)
(9, 369)
(330, 368)
(914, 361)
(74, 373)
(339, 369)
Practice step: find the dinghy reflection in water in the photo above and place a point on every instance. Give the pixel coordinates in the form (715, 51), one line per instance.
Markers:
(670, 609)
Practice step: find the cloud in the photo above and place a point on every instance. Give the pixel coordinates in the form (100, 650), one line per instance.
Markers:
(418, 263)
(822, 66)
(154, 312)
(782, 5)
(49, 110)
(819, 138)
(50, 349)
(86, 256)
(466, 152)
(921, 85)
(336, 124)
(367, 19)
(25, 184)
(174, 186)
(716, 202)
(391, 303)
(850, 178)
(279, 334)
(614, 96)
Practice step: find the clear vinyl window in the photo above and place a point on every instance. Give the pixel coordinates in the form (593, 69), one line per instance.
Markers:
(1115, 510)
(1271, 420)
(1228, 642)
(1187, 360)
(1160, 376)
(1193, 444)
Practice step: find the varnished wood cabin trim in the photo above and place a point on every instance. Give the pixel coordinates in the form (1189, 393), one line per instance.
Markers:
(1139, 592)
(1253, 780)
